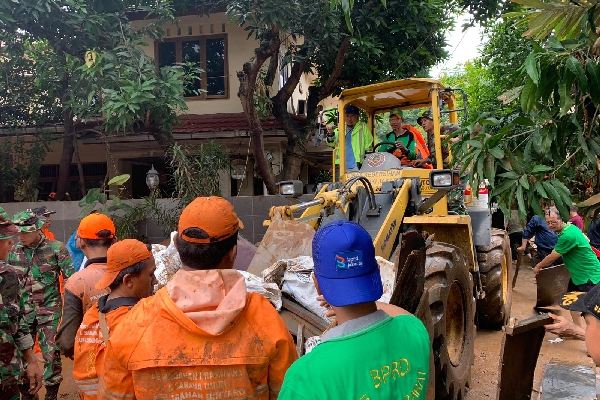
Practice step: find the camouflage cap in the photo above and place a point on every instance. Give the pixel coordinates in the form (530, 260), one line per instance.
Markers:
(397, 112)
(27, 221)
(3, 215)
(7, 229)
(427, 114)
(43, 211)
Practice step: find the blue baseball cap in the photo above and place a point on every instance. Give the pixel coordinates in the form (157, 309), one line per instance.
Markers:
(345, 264)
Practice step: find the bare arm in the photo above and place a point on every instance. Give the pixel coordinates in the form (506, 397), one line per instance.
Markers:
(550, 258)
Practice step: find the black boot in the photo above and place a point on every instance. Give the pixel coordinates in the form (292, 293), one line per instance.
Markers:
(25, 395)
(52, 392)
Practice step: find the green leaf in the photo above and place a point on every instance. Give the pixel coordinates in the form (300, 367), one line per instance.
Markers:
(564, 91)
(490, 169)
(591, 69)
(541, 168)
(510, 175)
(577, 70)
(497, 152)
(524, 182)
(532, 67)
(503, 187)
(119, 180)
(528, 96)
(475, 143)
(521, 201)
(540, 189)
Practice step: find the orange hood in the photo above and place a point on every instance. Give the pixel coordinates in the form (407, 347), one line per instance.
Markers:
(212, 299)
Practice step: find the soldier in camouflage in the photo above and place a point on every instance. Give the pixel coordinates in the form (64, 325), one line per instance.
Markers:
(16, 343)
(38, 262)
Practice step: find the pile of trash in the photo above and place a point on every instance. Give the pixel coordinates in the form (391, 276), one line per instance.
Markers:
(293, 277)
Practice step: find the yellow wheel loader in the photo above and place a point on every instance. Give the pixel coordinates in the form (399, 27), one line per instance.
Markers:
(466, 264)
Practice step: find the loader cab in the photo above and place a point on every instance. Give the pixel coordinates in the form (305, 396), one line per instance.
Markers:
(375, 101)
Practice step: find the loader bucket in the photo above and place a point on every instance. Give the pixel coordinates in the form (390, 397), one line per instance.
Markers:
(283, 240)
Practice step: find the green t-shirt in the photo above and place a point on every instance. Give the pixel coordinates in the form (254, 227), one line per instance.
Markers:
(386, 360)
(577, 254)
(407, 140)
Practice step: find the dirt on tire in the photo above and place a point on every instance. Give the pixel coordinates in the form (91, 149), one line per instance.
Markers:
(495, 268)
(449, 285)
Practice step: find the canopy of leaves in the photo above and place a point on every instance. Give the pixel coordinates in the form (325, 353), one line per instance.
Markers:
(536, 137)
(47, 42)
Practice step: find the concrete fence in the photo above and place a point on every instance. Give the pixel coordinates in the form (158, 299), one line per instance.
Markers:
(252, 210)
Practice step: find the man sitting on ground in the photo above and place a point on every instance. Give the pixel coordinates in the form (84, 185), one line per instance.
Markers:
(129, 274)
(362, 357)
(202, 335)
(95, 234)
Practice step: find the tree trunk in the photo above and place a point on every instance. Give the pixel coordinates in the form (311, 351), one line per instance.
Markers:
(67, 154)
(82, 188)
(164, 138)
(246, 95)
(248, 77)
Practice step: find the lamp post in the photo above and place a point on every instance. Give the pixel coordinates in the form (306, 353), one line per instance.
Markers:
(152, 179)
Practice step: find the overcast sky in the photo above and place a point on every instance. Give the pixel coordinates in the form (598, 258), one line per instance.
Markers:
(462, 46)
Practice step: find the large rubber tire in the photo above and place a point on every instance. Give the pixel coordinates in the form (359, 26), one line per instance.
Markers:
(449, 285)
(495, 268)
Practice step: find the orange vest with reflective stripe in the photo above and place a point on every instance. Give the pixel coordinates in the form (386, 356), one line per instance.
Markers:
(420, 143)
(88, 360)
(83, 284)
(158, 350)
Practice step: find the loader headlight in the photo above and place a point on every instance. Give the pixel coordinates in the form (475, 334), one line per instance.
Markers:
(290, 188)
(443, 179)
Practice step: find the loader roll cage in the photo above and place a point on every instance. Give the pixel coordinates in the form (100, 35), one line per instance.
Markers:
(404, 94)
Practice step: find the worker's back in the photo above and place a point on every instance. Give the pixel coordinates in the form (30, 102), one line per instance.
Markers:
(375, 357)
(235, 345)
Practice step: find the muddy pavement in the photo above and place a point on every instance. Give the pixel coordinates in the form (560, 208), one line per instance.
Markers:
(484, 376)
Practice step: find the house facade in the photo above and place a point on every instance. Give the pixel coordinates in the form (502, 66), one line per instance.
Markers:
(214, 113)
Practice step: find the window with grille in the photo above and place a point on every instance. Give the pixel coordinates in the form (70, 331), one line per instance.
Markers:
(205, 57)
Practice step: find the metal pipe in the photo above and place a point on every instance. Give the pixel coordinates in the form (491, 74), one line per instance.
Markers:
(308, 204)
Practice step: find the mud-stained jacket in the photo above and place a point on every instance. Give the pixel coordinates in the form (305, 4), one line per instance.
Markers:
(80, 295)
(90, 342)
(201, 336)
(38, 268)
(14, 330)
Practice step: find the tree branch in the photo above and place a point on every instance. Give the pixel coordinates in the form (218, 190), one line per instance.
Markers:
(328, 87)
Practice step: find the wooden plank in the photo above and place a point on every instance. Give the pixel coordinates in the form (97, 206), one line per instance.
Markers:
(528, 324)
(552, 283)
(521, 345)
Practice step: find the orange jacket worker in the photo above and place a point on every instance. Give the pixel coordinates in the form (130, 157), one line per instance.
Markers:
(203, 335)
(129, 274)
(95, 234)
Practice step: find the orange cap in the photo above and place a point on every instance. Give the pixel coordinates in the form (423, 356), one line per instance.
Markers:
(90, 226)
(122, 255)
(213, 216)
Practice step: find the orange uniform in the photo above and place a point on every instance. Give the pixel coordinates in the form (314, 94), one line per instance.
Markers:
(201, 336)
(90, 343)
(80, 295)
(82, 283)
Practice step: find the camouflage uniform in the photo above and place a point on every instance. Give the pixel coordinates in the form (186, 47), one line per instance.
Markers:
(456, 201)
(14, 332)
(38, 268)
